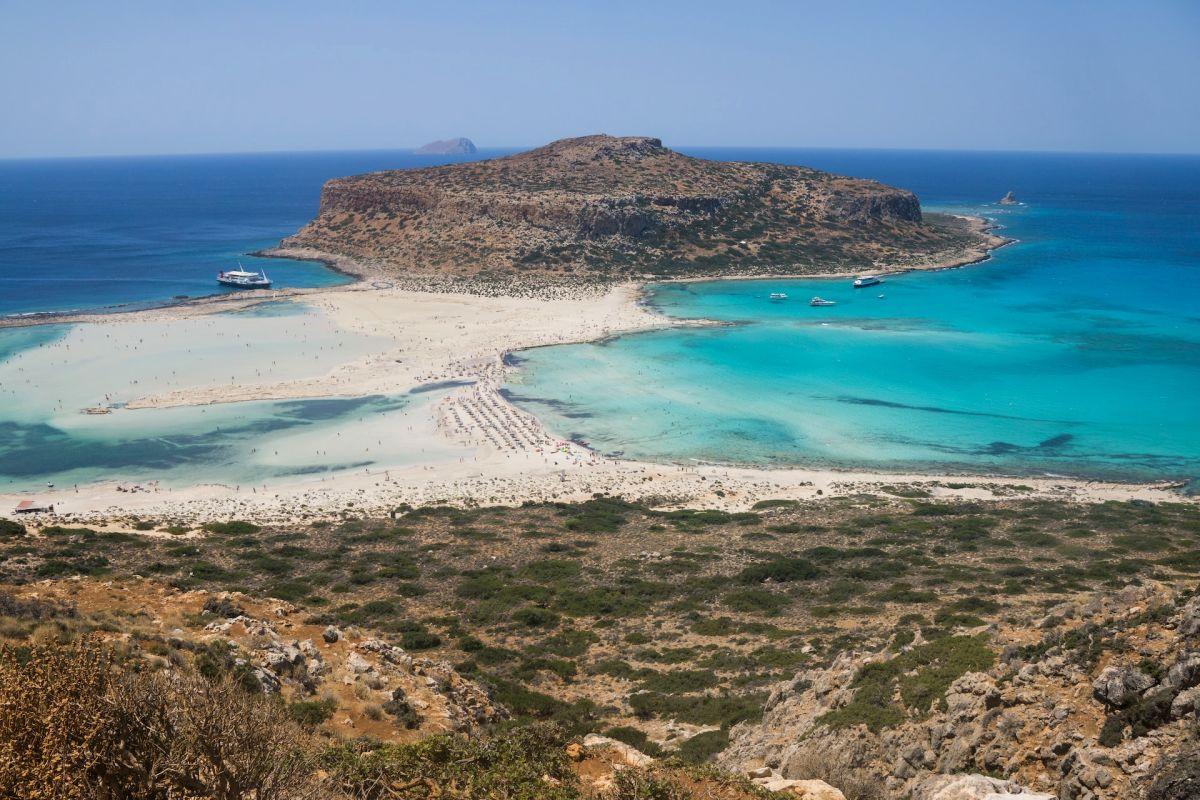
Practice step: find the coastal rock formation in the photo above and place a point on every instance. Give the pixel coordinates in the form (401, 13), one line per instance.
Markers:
(447, 147)
(605, 207)
(1101, 708)
(1009, 199)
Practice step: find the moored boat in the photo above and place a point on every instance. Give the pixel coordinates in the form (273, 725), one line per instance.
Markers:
(242, 279)
(867, 280)
(817, 301)
(778, 296)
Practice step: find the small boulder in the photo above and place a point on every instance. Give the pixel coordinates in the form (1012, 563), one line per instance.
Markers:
(331, 634)
(1186, 703)
(222, 605)
(1185, 672)
(972, 787)
(267, 682)
(1116, 686)
(628, 754)
(1189, 619)
(806, 790)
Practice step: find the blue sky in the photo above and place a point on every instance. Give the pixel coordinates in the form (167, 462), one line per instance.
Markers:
(83, 78)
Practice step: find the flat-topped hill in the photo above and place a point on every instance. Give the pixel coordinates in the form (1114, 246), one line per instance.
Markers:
(612, 207)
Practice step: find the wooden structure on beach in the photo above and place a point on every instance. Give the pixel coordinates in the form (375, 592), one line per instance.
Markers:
(33, 507)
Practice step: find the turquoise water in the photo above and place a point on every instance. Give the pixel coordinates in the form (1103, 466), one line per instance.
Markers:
(48, 375)
(1075, 351)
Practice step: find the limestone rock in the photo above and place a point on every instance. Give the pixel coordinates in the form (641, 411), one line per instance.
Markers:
(267, 682)
(1116, 686)
(972, 787)
(1185, 672)
(629, 755)
(1009, 199)
(806, 790)
(358, 664)
(223, 606)
(1189, 619)
(1186, 703)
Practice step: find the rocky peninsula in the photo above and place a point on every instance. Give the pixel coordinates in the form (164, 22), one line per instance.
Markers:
(604, 208)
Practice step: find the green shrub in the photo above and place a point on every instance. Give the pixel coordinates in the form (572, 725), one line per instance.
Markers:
(780, 569)
(680, 681)
(703, 746)
(723, 709)
(232, 528)
(922, 675)
(635, 738)
(756, 601)
(419, 640)
(312, 713)
(536, 618)
(527, 763)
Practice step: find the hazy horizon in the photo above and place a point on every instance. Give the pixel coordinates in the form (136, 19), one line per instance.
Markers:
(487, 150)
(138, 78)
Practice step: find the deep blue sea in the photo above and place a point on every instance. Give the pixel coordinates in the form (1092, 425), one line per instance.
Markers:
(88, 233)
(1075, 351)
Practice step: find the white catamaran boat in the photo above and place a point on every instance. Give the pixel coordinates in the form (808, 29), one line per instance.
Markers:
(241, 279)
(866, 280)
(817, 301)
(778, 296)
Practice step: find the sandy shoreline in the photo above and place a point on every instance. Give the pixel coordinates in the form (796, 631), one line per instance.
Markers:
(500, 454)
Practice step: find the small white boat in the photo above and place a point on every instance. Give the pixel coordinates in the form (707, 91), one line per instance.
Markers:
(867, 280)
(778, 296)
(241, 279)
(817, 301)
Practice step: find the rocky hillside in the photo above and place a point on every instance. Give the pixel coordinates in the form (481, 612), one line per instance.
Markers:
(897, 646)
(1089, 702)
(604, 207)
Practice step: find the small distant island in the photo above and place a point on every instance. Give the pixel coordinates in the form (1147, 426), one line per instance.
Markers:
(605, 208)
(1009, 199)
(447, 147)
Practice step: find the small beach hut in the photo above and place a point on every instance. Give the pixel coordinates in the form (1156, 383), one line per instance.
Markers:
(33, 507)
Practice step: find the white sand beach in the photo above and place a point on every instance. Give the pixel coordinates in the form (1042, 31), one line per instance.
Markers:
(462, 443)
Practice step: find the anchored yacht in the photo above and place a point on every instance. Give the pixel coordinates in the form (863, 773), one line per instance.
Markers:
(241, 279)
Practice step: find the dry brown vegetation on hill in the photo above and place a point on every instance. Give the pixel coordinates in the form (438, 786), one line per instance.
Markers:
(868, 622)
(605, 208)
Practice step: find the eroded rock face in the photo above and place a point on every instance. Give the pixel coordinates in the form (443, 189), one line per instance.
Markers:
(1177, 779)
(607, 206)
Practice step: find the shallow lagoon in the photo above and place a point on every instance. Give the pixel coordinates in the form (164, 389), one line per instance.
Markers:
(1076, 352)
(48, 374)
